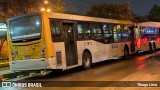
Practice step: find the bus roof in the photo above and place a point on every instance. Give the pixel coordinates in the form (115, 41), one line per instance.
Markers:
(150, 24)
(87, 18)
(76, 17)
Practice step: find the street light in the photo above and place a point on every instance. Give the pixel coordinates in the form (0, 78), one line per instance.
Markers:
(45, 2)
(42, 9)
(48, 10)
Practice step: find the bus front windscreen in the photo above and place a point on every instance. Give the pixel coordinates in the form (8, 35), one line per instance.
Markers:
(25, 28)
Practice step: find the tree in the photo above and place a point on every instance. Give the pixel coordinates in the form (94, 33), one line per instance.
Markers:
(154, 13)
(114, 11)
(58, 6)
(143, 18)
(17, 7)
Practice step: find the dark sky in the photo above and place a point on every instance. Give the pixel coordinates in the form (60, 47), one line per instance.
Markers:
(140, 7)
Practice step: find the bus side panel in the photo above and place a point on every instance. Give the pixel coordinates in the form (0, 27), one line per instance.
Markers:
(85, 45)
(48, 43)
(98, 50)
(60, 49)
(47, 35)
(101, 51)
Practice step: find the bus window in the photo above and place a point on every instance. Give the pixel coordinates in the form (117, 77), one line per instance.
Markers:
(84, 31)
(125, 33)
(107, 30)
(55, 30)
(26, 28)
(117, 33)
(97, 31)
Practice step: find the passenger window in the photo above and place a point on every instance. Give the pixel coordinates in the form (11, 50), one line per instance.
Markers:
(125, 33)
(84, 32)
(117, 33)
(55, 30)
(97, 31)
(107, 30)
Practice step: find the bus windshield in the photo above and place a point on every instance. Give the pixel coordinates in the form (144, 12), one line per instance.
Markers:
(25, 28)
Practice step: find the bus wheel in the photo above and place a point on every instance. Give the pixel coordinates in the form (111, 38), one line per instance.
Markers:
(154, 46)
(126, 52)
(86, 60)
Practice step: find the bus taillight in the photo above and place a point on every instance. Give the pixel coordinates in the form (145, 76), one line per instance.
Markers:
(145, 40)
(138, 42)
(158, 39)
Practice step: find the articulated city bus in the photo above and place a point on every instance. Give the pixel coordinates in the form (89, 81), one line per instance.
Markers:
(61, 41)
(149, 36)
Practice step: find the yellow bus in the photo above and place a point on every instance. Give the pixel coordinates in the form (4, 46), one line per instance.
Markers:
(50, 40)
(149, 36)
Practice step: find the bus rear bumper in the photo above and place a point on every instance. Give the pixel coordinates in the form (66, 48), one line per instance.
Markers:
(34, 64)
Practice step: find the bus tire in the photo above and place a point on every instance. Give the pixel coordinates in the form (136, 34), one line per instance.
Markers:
(154, 46)
(126, 52)
(86, 60)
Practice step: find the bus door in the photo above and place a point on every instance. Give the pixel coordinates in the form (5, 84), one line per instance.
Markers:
(70, 44)
(132, 38)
